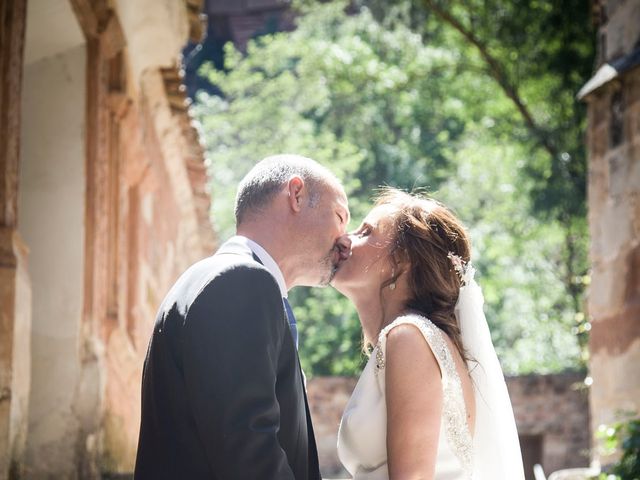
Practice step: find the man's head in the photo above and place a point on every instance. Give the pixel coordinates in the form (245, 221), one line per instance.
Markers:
(298, 210)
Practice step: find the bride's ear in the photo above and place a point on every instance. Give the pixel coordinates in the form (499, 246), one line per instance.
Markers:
(402, 268)
(401, 262)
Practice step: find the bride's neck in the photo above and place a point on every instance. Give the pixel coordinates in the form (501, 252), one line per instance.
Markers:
(376, 312)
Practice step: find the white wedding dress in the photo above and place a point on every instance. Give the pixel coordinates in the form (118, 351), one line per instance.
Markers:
(362, 437)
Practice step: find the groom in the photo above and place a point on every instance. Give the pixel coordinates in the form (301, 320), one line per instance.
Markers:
(222, 390)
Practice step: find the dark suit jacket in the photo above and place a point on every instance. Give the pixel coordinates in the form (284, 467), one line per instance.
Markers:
(222, 389)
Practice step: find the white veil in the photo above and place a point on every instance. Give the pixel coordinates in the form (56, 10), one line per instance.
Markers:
(496, 448)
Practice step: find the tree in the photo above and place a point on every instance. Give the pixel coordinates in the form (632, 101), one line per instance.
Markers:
(539, 54)
(381, 102)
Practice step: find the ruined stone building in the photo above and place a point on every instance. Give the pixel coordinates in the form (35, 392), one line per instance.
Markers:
(103, 203)
(613, 97)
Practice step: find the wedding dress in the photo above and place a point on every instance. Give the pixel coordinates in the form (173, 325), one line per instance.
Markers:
(493, 453)
(362, 437)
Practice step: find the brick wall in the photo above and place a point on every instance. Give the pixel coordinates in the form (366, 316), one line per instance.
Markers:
(552, 414)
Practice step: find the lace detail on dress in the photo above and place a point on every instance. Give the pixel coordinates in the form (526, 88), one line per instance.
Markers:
(453, 406)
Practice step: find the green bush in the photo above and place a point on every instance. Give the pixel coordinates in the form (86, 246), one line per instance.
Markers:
(624, 436)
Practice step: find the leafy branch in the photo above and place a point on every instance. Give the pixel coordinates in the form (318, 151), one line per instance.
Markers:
(499, 74)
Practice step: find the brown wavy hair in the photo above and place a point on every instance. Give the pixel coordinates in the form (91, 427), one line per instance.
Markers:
(426, 231)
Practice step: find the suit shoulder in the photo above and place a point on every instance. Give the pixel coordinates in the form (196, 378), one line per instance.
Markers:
(219, 273)
(240, 289)
(247, 271)
(241, 272)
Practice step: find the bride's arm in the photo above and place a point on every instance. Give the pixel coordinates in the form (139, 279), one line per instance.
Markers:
(414, 404)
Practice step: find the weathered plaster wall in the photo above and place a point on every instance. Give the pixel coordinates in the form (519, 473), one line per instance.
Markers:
(162, 240)
(113, 207)
(155, 31)
(163, 211)
(51, 219)
(51, 29)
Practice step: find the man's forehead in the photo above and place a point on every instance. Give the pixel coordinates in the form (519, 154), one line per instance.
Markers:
(337, 191)
(342, 200)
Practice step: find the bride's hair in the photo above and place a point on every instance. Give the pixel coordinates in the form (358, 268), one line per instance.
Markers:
(426, 232)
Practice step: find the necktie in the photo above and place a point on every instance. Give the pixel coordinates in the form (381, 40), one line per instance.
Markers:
(292, 321)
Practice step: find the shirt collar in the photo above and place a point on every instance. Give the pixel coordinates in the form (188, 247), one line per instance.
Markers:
(267, 260)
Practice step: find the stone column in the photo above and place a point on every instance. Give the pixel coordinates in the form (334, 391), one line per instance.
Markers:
(15, 301)
(614, 219)
(613, 97)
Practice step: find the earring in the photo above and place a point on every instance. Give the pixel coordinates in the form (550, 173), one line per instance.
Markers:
(392, 286)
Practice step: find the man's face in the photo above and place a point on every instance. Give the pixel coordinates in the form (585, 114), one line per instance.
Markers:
(323, 235)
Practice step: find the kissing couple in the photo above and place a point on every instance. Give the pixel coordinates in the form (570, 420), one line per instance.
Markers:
(223, 394)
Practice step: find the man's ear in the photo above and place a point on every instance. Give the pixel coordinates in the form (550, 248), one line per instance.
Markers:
(296, 190)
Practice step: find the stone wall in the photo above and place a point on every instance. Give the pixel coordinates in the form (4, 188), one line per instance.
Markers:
(552, 414)
(613, 142)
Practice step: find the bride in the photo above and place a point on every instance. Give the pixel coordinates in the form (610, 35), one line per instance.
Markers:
(431, 402)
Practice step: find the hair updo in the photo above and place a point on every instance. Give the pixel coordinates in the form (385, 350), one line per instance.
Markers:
(425, 232)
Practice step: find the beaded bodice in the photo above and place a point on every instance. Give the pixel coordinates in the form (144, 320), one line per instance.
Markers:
(362, 441)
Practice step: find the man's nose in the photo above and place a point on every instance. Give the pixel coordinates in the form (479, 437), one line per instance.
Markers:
(344, 246)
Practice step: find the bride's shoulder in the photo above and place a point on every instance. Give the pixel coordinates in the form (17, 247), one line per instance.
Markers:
(402, 342)
(406, 323)
(406, 330)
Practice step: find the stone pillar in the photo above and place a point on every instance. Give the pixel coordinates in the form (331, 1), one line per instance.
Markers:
(52, 187)
(614, 295)
(15, 314)
(613, 97)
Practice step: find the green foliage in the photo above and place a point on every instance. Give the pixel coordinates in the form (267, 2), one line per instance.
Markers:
(623, 437)
(331, 332)
(542, 51)
(402, 100)
(519, 259)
